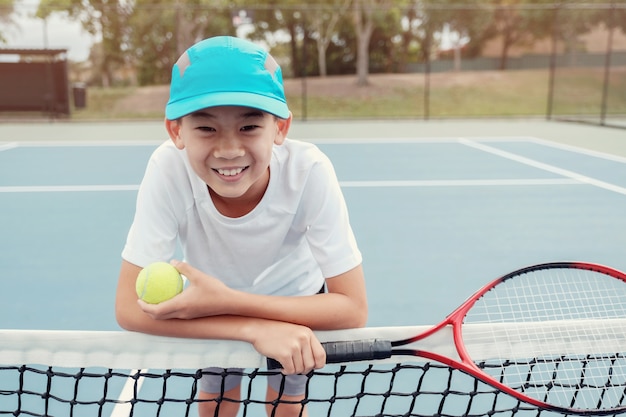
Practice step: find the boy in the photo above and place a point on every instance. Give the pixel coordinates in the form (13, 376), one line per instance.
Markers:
(263, 225)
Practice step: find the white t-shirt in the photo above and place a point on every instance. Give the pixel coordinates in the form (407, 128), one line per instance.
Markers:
(298, 235)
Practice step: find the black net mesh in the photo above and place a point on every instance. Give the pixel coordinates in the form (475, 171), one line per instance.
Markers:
(407, 389)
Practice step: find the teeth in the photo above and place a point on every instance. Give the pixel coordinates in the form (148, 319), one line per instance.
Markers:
(229, 172)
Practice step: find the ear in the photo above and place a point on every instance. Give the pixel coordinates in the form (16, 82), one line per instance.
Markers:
(283, 126)
(174, 128)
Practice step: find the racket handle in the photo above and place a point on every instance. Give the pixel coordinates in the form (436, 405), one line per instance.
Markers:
(349, 351)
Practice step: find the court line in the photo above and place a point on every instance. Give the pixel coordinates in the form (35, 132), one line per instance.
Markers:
(346, 184)
(7, 146)
(324, 141)
(66, 188)
(459, 183)
(408, 140)
(545, 167)
(83, 143)
(478, 143)
(577, 149)
(124, 407)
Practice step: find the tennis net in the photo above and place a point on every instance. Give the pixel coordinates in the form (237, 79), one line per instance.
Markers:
(82, 373)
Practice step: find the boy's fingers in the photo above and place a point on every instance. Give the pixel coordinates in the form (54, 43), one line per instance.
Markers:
(320, 357)
(146, 308)
(161, 311)
(179, 265)
(183, 267)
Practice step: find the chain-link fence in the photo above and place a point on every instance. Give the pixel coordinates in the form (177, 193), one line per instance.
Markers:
(588, 67)
(418, 59)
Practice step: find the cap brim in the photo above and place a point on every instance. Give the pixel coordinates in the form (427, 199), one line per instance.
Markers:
(271, 105)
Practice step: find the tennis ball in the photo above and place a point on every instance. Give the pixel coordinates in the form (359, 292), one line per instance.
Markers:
(158, 282)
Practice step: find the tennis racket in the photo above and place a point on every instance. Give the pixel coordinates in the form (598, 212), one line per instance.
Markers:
(552, 335)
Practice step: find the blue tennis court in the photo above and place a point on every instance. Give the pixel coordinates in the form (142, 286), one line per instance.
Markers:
(436, 215)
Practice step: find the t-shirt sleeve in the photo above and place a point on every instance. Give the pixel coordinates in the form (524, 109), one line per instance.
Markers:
(328, 229)
(153, 234)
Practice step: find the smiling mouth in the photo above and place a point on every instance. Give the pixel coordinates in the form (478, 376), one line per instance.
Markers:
(230, 172)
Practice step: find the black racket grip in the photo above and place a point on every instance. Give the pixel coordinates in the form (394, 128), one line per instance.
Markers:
(349, 351)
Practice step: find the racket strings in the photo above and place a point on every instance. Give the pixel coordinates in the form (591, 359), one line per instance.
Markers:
(565, 329)
(551, 295)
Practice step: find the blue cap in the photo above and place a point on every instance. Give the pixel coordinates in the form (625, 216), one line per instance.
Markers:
(226, 71)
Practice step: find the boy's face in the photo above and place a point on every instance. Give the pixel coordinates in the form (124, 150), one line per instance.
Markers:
(230, 148)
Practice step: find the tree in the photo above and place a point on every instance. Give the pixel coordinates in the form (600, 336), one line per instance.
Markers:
(275, 16)
(161, 31)
(364, 15)
(323, 25)
(518, 22)
(316, 23)
(154, 40)
(572, 21)
(384, 42)
(466, 21)
(617, 17)
(307, 25)
(108, 18)
(6, 10)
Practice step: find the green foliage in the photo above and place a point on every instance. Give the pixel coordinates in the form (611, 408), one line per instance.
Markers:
(6, 9)
(145, 37)
(161, 31)
(47, 7)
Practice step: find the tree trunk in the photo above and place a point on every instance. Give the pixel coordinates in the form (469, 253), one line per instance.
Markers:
(506, 43)
(321, 57)
(363, 27)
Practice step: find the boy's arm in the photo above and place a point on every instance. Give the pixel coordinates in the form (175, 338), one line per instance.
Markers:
(294, 346)
(343, 306)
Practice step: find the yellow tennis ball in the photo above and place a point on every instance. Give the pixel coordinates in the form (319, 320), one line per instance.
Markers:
(158, 282)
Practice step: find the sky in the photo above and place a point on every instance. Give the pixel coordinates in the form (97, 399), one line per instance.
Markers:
(62, 33)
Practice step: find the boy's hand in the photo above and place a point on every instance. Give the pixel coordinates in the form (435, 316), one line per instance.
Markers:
(295, 347)
(204, 296)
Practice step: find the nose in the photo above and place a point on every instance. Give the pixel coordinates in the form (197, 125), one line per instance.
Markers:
(228, 147)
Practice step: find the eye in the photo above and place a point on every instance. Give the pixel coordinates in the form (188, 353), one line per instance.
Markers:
(249, 128)
(205, 129)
